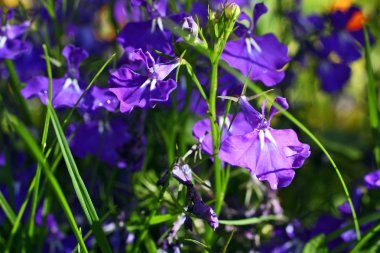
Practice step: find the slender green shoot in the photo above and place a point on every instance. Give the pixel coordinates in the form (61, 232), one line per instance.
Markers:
(366, 238)
(43, 146)
(7, 209)
(252, 221)
(372, 99)
(79, 186)
(38, 155)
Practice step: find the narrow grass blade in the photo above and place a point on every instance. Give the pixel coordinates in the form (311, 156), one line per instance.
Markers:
(365, 239)
(204, 246)
(38, 155)
(363, 221)
(17, 222)
(372, 99)
(7, 209)
(43, 146)
(71, 166)
(224, 250)
(251, 221)
(79, 186)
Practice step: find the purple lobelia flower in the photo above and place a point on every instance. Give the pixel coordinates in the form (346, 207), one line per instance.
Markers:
(103, 98)
(120, 13)
(260, 57)
(334, 39)
(202, 130)
(151, 34)
(372, 180)
(347, 33)
(200, 209)
(343, 42)
(143, 89)
(11, 45)
(182, 172)
(100, 138)
(270, 154)
(66, 90)
(155, 8)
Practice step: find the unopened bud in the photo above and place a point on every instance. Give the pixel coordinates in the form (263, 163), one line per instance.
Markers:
(232, 11)
(190, 26)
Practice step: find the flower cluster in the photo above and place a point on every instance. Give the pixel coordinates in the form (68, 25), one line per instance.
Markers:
(97, 97)
(334, 40)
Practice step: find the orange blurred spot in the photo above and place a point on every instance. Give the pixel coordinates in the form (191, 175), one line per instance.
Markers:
(341, 5)
(356, 21)
(104, 29)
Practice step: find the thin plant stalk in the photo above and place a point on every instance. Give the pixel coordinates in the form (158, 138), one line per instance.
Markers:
(43, 146)
(372, 99)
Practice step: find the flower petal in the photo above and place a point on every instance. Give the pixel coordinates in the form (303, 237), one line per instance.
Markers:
(262, 57)
(253, 117)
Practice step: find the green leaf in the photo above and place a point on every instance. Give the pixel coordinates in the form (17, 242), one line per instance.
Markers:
(157, 219)
(150, 245)
(372, 99)
(7, 209)
(251, 221)
(316, 245)
(224, 250)
(43, 146)
(366, 238)
(79, 186)
(38, 155)
(199, 244)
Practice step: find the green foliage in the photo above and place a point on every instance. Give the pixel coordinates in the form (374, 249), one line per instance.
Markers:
(316, 245)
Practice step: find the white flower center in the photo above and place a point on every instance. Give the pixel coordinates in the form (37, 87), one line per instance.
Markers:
(157, 22)
(71, 83)
(265, 134)
(250, 42)
(3, 39)
(153, 84)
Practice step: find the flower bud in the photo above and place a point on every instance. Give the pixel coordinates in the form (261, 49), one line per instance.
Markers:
(190, 26)
(232, 11)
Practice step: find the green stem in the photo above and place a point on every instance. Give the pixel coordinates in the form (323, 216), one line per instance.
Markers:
(365, 239)
(214, 56)
(43, 146)
(372, 99)
(215, 143)
(215, 136)
(34, 148)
